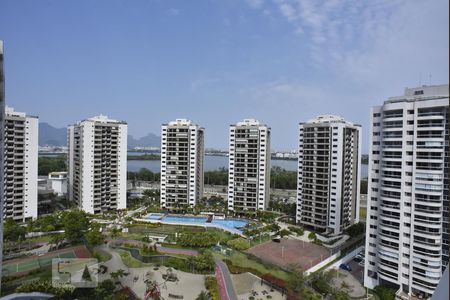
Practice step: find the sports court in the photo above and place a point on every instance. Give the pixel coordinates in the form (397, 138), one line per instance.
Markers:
(289, 253)
(24, 265)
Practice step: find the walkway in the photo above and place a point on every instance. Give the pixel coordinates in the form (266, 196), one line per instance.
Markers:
(223, 276)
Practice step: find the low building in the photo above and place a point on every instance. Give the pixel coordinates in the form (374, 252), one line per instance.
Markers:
(58, 182)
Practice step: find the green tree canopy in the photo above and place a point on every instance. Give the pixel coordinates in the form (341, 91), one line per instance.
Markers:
(12, 231)
(75, 223)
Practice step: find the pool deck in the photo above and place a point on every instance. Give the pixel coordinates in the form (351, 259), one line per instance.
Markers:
(211, 225)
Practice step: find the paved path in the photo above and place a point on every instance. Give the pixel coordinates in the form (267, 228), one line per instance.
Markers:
(223, 276)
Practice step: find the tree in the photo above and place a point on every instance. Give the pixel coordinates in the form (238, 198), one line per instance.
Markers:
(94, 237)
(296, 280)
(340, 295)
(75, 223)
(105, 290)
(204, 261)
(118, 274)
(321, 282)
(12, 231)
(203, 296)
(86, 274)
(47, 165)
(312, 236)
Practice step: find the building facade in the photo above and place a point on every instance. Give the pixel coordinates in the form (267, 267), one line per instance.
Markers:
(97, 160)
(249, 166)
(407, 210)
(20, 165)
(329, 172)
(58, 182)
(182, 156)
(2, 119)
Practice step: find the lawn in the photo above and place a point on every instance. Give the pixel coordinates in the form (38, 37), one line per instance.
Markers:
(239, 259)
(130, 261)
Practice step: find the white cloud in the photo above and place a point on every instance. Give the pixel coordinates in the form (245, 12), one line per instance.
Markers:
(366, 39)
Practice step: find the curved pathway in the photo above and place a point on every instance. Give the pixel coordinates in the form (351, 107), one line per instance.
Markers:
(227, 291)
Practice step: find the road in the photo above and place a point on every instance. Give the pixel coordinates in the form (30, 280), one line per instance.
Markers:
(223, 276)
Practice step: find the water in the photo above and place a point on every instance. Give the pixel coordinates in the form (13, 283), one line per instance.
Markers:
(216, 162)
(227, 224)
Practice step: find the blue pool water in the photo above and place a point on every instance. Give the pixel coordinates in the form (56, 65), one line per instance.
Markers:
(233, 224)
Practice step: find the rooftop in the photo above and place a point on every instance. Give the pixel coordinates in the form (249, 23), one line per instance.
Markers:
(422, 93)
(249, 122)
(324, 119)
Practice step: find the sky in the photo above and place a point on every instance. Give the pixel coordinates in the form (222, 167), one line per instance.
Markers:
(217, 62)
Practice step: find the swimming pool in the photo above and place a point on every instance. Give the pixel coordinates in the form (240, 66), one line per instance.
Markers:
(232, 225)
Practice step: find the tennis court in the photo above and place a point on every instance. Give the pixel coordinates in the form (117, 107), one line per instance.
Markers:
(27, 264)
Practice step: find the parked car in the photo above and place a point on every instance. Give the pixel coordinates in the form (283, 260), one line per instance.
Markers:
(345, 267)
(357, 259)
(360, 256)
(361, 263)
(276, 240)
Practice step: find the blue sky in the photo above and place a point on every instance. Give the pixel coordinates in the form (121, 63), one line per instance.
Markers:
(219, 61)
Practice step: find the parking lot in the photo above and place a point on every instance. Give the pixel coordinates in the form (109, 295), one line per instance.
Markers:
(357, 270)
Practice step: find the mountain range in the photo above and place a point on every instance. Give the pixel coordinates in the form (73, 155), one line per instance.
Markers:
(53, 136)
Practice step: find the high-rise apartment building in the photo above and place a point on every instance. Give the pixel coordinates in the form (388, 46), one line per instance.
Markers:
(249, 166)
(329, 171)
(20, 192)
(407, 210)
(98, 164)
(2, 118)
(182, 155)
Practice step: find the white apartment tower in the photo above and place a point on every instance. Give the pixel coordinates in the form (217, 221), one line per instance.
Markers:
(2, 122)
(182, 155)
(407, 210)
(249, 166)
(98, 164)
(20, 165)
(329, 171)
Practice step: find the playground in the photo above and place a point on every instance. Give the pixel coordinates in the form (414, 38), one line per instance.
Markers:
(24, 265)
(151, 280)
(290, 252)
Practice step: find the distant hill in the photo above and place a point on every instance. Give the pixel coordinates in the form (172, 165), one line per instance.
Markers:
(150, 140)
(53, 136)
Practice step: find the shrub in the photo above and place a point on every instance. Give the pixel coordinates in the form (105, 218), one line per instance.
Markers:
(298, 230)
(212, 287)
(312, 236)
(284, 232)
(384, 292)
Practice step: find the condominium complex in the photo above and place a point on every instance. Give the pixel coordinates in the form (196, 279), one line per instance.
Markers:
(249, 166)
(2, 117)
(329, 171)
(182, 155)
(407, 210)
(20, 165)
(98, 164)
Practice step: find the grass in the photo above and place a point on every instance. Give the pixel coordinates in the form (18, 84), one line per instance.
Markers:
(130, 261)
(240, 260)
(101, 255)
(362, 212)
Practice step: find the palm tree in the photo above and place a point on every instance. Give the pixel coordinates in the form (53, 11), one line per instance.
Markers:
(203, 296)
